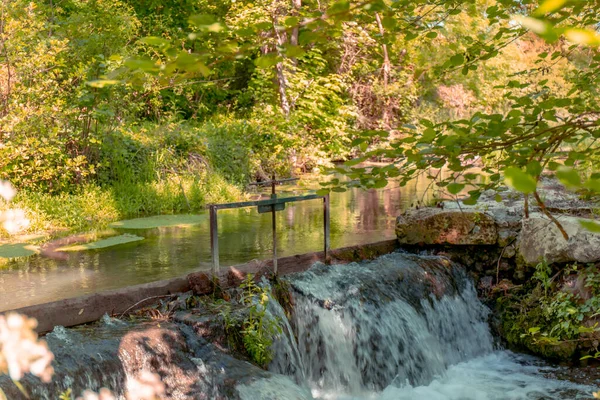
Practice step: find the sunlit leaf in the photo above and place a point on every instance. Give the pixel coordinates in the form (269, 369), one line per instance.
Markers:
(455, 188)
(160, 221)
(104, 243)
(519, 180)
(206, 22)
(549, 6)
(590, 225)
(143, 63)
(267, 61)
(100, 83)
(583, 36)
(17, 250)
(569, 177)
(155, 41)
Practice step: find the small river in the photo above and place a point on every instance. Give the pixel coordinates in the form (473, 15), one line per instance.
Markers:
(357, 217)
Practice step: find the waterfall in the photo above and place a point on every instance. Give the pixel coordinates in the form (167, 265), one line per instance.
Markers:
(401, 327)
(398, 320)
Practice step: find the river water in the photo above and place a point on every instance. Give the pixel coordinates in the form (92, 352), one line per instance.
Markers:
(357, 217)
(401, 327)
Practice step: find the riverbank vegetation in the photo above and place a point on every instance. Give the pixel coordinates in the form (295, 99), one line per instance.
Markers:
(118, 109)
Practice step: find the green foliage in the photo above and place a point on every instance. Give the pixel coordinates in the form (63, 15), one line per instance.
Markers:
(159, 221)
(543, 273)
(17, 250)
(66, 395)
(103, 243)
(152, 94)
(555, 319)
(257, 328)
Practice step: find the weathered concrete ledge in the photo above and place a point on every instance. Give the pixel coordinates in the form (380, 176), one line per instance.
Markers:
(89, 308)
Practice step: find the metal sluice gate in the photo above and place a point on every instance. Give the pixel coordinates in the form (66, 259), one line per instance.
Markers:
(271, 205)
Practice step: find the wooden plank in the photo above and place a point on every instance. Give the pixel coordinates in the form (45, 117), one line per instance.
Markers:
(268, 202)
(89, 308)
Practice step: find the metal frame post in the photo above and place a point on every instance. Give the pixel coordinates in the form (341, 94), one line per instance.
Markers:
(326, 227)
(271, 205)
(274, 222)
(214, 239)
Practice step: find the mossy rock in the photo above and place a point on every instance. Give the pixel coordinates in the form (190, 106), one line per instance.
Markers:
(159, 221)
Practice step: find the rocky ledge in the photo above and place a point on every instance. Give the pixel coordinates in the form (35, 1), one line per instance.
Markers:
(501, 222)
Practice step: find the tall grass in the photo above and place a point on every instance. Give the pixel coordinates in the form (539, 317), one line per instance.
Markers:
(93, 207)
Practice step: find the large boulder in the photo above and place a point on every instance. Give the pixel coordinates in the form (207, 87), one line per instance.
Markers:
(541, 239)
(438, 226)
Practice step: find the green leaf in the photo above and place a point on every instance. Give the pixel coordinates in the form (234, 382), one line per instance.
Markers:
(294, 51)
(100, 83)
(519, 180)
(101, 244)
(590, 225)
(432, 35)
(471, 201)
(593, 185)
(323, 192)
(206, 22)
(155, 41)
(17, 250)
(143, 63)
(457, 59)
(291, 22)
(569, 177)
(389, 23)
(267, 60)
(160, 221)
(338, 7)
(455, 188)
(534, 168)
(498, 198)
(549, 6)
(380, 183)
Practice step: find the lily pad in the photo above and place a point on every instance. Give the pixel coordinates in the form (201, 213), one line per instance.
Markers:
(101, 244)
(17, 250)
(159, 221)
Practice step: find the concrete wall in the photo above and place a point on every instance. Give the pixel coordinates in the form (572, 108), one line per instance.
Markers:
(89, 308)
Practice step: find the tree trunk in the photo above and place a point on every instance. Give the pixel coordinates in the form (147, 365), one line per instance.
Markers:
(282, 86)
(282, 83)
(4, 48)
(386, 67)
(297, 4)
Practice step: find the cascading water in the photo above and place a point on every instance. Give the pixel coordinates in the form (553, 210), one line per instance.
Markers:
(401, 327)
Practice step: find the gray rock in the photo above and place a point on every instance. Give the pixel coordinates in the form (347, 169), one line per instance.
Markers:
(541, 239)
(437, 226)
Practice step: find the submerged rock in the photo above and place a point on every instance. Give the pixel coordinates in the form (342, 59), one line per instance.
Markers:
(437, 226)
(541, 239)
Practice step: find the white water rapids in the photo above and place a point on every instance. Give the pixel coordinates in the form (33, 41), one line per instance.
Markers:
(400, 327)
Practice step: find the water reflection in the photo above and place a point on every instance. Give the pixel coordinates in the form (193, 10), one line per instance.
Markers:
(356, 217)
